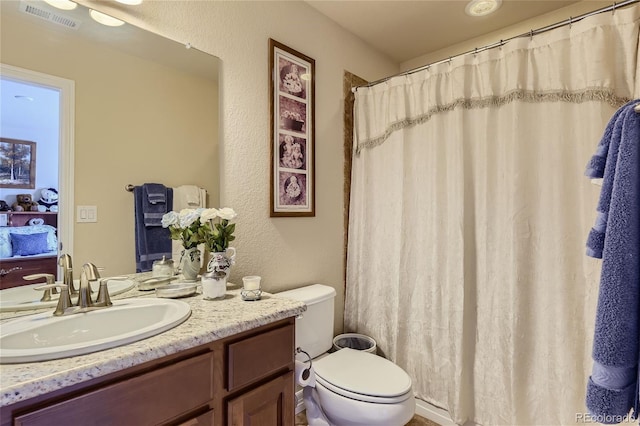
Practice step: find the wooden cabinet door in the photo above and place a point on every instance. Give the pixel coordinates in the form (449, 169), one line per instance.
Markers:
(271, 404)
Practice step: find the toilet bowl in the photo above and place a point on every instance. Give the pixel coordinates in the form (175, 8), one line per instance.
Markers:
(354, 387)
(359, 388)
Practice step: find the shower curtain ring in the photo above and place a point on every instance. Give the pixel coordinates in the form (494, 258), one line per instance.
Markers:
(531, 35)
(570, 21)
(613, 10)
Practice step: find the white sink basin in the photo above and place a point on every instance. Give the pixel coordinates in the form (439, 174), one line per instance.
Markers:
(43, 337)
(25, 297)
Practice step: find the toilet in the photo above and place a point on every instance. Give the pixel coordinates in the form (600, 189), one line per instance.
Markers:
(354, 387)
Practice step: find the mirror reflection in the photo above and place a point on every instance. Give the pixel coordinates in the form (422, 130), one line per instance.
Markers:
(145, 110)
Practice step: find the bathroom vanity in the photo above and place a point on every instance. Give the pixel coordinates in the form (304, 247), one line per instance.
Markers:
(231, 362)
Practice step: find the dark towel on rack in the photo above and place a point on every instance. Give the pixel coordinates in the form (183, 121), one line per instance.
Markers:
(155, 204)
(613, 388)
(152, 242)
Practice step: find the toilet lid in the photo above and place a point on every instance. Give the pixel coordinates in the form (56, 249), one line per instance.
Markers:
(358, 372)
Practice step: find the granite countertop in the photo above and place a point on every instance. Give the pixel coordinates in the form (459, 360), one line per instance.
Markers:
(209, 321)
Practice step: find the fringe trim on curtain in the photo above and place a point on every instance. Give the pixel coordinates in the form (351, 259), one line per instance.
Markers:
(603, 95)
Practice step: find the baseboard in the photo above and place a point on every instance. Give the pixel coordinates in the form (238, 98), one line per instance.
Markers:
(433, 413)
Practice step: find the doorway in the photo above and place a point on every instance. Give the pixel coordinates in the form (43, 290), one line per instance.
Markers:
(61, 92)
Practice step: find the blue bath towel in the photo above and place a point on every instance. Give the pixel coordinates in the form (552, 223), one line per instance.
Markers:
(603, 165)
(152, 242)
(154, 204)
(613, 388)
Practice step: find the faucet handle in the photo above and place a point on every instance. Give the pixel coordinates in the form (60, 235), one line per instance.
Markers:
(103, 298)
(50, 279)
(64, 301)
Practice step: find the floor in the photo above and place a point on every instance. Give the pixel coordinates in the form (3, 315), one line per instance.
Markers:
(301, 420)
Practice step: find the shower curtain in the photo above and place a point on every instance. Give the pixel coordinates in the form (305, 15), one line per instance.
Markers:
(469, 215)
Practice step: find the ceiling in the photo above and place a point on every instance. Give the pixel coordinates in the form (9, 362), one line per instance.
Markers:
(404, 30)
(25, 106)
(128, 38)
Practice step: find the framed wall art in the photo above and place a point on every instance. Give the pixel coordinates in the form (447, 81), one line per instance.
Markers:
(292, 111)
(17, 164)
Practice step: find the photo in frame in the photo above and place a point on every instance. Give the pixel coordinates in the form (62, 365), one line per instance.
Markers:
(17, 164)
(292, 113)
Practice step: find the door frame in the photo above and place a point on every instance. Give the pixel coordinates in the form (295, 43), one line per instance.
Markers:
(66, 88)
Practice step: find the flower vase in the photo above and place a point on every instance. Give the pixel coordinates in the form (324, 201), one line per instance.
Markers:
(214, 286)
(220, 262)
(190, 263)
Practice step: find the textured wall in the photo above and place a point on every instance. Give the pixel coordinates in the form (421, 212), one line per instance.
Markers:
(286, 252)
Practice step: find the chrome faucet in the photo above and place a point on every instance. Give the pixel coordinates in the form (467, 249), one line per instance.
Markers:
(67, 273)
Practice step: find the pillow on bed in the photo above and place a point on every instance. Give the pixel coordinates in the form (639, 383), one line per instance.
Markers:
(6, 231)
(27, 244)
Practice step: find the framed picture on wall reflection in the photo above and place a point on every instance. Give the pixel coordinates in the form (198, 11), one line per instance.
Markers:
(292, 109)
(17, 164)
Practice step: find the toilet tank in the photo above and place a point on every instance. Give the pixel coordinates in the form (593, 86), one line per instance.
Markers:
(314, 329)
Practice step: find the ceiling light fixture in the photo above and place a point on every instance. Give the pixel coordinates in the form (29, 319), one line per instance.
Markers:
(105, 19)
(482, 7)
(62, 4)
(130, 2)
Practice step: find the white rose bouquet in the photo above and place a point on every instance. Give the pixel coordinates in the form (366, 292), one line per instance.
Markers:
(217, 228)
(185, 226)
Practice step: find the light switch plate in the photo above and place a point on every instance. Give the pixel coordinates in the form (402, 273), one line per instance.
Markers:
(86, 213)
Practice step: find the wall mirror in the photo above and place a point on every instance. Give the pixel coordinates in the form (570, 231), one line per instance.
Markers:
(145, 110)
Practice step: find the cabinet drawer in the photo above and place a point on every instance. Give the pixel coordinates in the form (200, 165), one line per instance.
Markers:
(257, 357)
(25, 266)
(150, 398)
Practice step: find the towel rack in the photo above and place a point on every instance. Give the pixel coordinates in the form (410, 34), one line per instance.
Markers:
(129, 188)
(637, 108)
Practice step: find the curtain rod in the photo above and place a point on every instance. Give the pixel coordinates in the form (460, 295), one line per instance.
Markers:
(531, 33)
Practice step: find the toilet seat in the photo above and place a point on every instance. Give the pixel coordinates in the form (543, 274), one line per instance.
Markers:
(363, 376)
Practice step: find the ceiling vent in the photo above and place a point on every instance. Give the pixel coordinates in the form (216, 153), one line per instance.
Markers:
(47, 15)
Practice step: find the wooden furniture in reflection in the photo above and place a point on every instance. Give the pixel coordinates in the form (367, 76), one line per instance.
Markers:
(13, 269)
